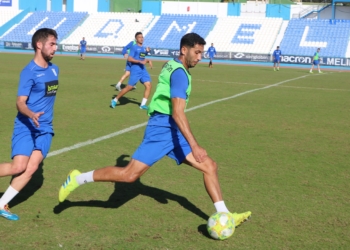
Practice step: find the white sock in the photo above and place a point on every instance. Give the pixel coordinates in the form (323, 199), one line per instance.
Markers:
(85, 178)
(118, 84)
(144, 100)
(221, 207)
(9, 194)
(115, 99)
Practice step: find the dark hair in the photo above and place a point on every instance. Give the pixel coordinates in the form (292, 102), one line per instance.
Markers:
(191, 39)
(42, 35)
(138, 33)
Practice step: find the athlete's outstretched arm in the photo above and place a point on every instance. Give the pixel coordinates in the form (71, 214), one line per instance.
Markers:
(180, 118)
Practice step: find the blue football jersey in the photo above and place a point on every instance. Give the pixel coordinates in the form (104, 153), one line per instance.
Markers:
(40, 85)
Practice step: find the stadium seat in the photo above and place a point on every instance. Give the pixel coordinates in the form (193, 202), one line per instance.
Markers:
(320, 33)
(62, 22)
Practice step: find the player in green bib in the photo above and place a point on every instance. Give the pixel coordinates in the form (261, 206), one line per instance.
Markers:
(316, 61)
(167, 133)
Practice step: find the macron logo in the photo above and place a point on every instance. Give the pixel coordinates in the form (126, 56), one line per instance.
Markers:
(54, 72)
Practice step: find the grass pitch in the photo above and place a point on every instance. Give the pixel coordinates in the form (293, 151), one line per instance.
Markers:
(282, 152)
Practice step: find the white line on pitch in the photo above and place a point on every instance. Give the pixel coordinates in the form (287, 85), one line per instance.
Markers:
(89, 142)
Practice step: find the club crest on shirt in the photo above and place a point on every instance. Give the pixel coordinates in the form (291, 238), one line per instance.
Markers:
(51, 88)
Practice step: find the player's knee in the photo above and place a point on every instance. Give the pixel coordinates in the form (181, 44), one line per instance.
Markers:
(18, 168)
(148, 85)
(130, 178)
(128, 175)
(212, 167)
(31, 169)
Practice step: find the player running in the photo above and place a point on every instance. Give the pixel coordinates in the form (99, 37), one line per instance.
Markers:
(277, 58)
(138, 71)
(82, 48)
(125, 53)
(316, 61)
(212, 52)
(33, 131)
(168, 133)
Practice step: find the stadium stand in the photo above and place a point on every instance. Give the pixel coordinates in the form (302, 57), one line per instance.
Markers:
(300, 37)
(303, 36)
(244, 34)
(7, 15)
(109, 28)
(168, 30)
(62, 22)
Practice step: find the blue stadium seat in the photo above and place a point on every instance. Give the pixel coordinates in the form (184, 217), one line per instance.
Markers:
(181, 22)
(321, 32)
(22, 33)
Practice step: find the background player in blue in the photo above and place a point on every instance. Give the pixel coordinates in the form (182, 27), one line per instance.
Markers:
(33, 130)
(168, 133)
(316, 61)
(212, 52)
(138, 71)
(125, 53)
(277, 58)
(82, 48)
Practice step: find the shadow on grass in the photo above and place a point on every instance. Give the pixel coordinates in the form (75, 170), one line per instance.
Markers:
(123, 86)
(204, 231)
(29, 190)
(125, 100)
(125, 192)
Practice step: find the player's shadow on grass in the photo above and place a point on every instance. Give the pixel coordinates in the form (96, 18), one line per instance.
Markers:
(29, 190)
(125, 100)
(125, 192)
(122, 86)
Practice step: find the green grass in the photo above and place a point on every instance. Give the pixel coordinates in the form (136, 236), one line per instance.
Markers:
(282, 152)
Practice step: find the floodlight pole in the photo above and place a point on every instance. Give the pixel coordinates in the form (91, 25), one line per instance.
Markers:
(333, 9)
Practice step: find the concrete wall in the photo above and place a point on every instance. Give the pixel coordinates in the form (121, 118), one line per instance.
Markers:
(253, 9)
(278, 10)
(218, 9)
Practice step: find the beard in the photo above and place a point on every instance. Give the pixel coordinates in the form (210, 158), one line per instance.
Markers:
(47, 57)
(189, 62)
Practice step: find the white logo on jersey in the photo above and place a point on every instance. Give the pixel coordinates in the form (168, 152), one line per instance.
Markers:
(40, 75)
(54, 72)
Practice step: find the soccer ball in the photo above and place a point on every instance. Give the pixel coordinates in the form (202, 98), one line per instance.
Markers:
(221, 226)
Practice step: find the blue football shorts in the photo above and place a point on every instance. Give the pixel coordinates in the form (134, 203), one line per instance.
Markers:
(160, 141)
(127, 66)
(276, 60)
(82, 50)
(139, 75)
(24, 142)
(316, 62)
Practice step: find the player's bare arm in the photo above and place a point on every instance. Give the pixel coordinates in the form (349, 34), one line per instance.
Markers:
(23, 109)
(180, 118)
(133, 60)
